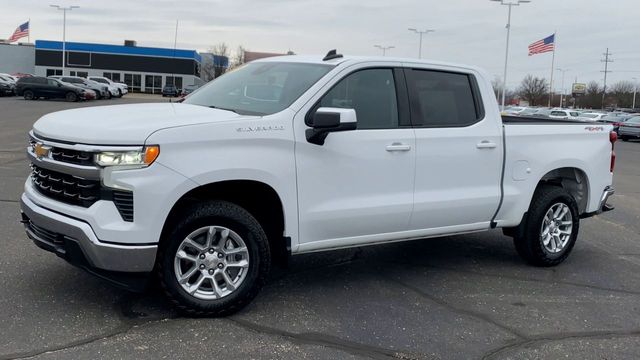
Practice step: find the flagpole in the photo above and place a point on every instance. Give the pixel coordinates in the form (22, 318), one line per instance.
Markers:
(29, 33)
(553, 60)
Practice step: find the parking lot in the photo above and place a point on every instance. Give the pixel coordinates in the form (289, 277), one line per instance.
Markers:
(458, 297)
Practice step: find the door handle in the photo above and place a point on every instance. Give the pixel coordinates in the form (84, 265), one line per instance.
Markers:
(486, 144)
(396, 146)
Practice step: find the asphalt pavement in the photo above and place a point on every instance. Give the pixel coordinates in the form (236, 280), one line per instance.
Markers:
(460, 297)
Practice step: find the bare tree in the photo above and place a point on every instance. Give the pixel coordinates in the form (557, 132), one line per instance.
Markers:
(496, 83)
(593, 96)
(238, 58)
(220, 49)
(533, 89)
(621, 94)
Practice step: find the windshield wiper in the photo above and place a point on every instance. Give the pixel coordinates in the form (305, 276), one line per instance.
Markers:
(221, 108)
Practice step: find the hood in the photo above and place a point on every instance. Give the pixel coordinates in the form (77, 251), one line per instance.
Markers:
(124, 124)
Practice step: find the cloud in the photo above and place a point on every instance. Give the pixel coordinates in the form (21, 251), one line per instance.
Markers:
(467, 31)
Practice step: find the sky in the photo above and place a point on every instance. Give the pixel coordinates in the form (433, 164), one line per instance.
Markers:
(466, 31)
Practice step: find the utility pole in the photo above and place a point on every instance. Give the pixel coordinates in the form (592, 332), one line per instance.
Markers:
(635, 90)
(64, 29)
(384, 49)
(510, 4)
(607, 59)
(563, 71)
(421, 32)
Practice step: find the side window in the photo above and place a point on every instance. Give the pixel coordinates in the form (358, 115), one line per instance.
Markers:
(558, 113)
(372, 93)
(51, 82)
(443, 99)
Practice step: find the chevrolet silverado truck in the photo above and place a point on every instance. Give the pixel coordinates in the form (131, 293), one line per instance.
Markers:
(299, 154)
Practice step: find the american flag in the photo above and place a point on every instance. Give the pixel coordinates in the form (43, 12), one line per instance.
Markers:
(542, 46)
(21, 31)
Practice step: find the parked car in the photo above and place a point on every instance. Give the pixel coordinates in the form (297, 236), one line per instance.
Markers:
(514, 110)
(32, 88)
(7, 87)
(170, 90)
(101, 91)
(615, 121)
(8, 77)
(188, 89)
(630, 129)
(564, 114)
(291, 155)
(592, 116)
(117, 89)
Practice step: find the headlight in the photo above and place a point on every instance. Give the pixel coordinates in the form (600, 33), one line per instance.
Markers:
(144, 157)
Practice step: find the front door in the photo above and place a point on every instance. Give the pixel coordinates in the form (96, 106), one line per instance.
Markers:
(358, 186)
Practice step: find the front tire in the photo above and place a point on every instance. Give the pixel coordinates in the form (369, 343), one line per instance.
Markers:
(550, 229)
(215, 260)
(71, 97)
(28, 95)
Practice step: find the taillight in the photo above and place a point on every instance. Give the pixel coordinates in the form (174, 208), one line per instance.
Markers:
(613, 137)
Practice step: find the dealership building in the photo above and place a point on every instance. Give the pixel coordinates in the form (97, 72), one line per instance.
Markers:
(144, 69)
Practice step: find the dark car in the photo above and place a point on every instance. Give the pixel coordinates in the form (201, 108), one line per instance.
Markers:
(170, 90)
(630, 129)
(35, 87)
(101, 90)
(615, 120)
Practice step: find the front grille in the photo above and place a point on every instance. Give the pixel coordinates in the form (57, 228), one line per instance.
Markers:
(65, 188)
(72, 156)
(124, 203)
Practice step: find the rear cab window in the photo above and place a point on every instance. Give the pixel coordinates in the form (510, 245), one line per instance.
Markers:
(443, 99)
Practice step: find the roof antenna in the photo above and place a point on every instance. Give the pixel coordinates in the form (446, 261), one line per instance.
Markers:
(332, 54)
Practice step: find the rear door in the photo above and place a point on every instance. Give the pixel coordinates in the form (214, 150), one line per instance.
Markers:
(459, 152)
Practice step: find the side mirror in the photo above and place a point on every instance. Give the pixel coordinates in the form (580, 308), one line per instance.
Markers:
(59, 85)
(327, 120)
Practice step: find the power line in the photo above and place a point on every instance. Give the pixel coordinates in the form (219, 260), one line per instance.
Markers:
(607, 59)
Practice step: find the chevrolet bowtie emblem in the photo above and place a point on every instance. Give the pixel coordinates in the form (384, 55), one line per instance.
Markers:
(41, 150)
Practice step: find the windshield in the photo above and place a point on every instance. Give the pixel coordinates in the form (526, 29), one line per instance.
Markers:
(260, 88)
(590, 116)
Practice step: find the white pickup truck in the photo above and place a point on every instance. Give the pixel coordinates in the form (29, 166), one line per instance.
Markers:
(295, 154)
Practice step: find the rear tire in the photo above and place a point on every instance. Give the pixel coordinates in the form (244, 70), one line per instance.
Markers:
(71, 97)
(177, 258)
(624, 138)
(28, 95)
(530, 240)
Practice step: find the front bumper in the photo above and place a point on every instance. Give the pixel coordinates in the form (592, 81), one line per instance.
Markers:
(603, 207)
(75, 241)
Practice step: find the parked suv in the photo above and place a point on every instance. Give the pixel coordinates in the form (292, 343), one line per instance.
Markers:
(34, 87)
(101, 90)
(170, 90)
(117, 89)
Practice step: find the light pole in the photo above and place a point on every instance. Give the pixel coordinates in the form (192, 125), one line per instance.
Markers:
(635, 90)
(510, 4)
(64, 28)
(562, 83)
(421, 32)
(384, 48)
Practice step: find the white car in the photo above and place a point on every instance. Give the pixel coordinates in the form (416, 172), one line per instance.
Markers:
(564, 114)
(591, 116)
(298, 154)
(115, 88)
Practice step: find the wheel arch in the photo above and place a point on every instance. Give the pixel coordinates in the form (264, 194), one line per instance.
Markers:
(258, 198)
(573, 179)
